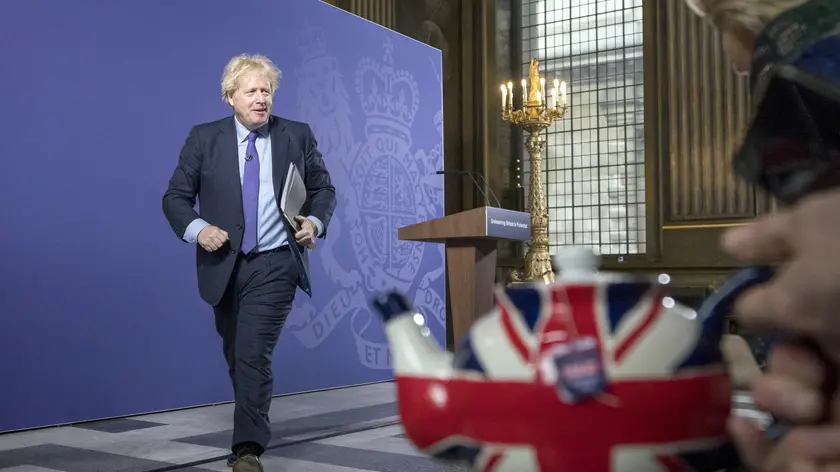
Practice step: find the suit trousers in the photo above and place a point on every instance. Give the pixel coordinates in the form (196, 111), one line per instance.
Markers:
(249, 319)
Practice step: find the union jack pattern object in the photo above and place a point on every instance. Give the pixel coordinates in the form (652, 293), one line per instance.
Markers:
(593, 373)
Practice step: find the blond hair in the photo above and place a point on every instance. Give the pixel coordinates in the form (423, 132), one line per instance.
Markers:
(753, 15)
(244, 63)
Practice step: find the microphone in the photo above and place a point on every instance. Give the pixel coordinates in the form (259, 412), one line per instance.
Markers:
(477, 185)
(487, 186)
(248, 157)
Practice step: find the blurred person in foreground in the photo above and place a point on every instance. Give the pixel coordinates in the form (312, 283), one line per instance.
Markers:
(250, 260)
(802, 241)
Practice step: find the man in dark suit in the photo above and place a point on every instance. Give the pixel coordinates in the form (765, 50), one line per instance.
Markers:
(249, 259)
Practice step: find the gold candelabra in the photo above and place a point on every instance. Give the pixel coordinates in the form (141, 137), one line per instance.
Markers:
(534, 117)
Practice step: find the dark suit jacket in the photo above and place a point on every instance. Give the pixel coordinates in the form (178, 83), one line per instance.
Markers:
(208, 168)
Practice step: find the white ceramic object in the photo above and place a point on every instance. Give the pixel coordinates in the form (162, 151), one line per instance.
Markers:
(597, 372)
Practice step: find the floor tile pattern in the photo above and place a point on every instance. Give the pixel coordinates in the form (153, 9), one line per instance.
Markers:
(338, 430)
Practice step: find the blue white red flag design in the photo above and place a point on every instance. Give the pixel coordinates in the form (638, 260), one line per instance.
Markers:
(663, 405)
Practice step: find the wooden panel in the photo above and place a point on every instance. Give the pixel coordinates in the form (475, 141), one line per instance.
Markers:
(696, 247)
(383, 12)
(706, 108)
(764, 203)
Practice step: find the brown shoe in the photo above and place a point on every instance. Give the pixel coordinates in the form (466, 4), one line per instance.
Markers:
(248, 463)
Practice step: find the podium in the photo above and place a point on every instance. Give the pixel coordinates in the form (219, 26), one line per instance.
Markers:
(471, 239)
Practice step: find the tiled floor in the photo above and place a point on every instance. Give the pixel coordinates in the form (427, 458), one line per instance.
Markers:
(314, 432)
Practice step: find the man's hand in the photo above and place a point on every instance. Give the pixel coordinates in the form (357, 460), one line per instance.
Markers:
(212, 238)
(805, 448)
(790, 390)
(804, 296)
(307, 231)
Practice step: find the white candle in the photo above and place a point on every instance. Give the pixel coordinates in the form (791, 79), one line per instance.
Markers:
(510, 95)
(524, 92)
(539, 98)
(554, 94)
(504, 96)
(542, 87)
(563, 93)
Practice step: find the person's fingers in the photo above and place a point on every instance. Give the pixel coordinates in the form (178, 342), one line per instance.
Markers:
(803, 296)
(763, 241)
(225, 234)
(798, 363)
(218, 241)
(786, 398)
(758, 308)
(741, 364)
(753, 447)
(789, 303)
(781, 463)
(820, 443)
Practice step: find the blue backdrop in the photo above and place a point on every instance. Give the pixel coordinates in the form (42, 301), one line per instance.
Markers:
(100, 311)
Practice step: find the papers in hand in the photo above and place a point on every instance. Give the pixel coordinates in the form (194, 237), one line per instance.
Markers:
(293, 197)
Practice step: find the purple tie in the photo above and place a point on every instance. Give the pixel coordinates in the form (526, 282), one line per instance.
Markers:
(251, 194)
